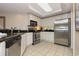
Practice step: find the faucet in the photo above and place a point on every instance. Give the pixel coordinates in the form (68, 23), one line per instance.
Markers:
(12, 30)
(18, 31)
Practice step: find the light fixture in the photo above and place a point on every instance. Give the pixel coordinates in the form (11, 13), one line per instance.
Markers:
(45, 7)
(61, 21)
(34, 9)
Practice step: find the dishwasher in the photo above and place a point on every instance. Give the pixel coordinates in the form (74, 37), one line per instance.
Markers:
(13, 46)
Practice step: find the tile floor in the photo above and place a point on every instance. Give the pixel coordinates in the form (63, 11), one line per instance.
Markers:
(47, 49)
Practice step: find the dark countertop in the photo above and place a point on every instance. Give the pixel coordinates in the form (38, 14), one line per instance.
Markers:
(24, 31)
(8, 31)
(9, 37)
(48, 30)
(41, 31)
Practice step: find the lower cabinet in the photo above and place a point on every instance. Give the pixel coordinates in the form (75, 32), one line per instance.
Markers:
(47, 36)
(29, 38)
(2, 48)
(23, 42)
(26, 40)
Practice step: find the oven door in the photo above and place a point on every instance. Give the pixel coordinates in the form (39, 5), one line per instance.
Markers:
(13, 48)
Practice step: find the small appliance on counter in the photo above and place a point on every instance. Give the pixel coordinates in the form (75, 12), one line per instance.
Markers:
(3, 35)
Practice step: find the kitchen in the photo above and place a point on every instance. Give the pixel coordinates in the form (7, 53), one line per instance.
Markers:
(26, 31)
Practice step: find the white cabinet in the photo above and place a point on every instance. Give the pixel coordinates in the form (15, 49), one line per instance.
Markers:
(29, 38)
(47, 36)
(23, 42)
(2, 48)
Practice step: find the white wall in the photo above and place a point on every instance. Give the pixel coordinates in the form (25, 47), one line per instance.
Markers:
(50, 21)
(16, 20)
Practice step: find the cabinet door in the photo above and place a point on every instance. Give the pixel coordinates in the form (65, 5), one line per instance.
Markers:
(29, 38)
(47, 36)
(23, 42)
(2, 48)
(42, 35)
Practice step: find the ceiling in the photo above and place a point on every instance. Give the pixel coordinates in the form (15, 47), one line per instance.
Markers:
(13, 7)
(57, 8)
(35, 9)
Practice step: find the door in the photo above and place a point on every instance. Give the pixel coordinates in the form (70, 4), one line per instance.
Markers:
(15, 49)
(61, 36)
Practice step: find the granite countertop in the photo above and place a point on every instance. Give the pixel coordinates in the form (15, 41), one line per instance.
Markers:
(48, 30)
(21, 32)
(24, 31)
(9, 37)
(41, 31)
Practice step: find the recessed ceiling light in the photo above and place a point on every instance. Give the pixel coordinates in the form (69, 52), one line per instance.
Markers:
(45, 7)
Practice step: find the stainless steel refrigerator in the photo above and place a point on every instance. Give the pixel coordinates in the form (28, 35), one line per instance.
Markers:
(62, 32)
